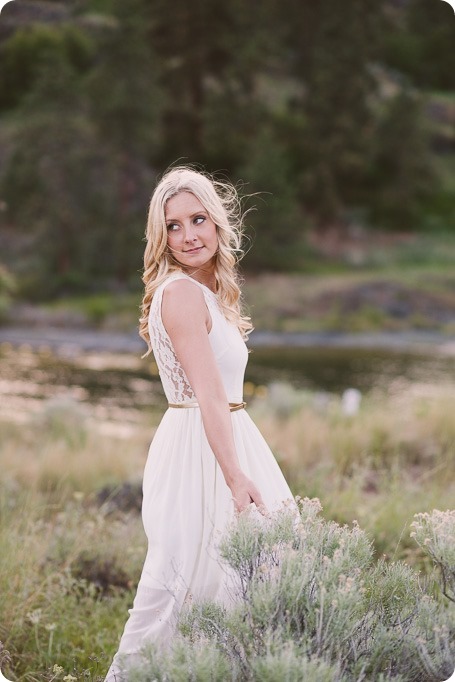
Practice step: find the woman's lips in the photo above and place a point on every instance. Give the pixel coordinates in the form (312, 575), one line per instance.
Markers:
(198, 248)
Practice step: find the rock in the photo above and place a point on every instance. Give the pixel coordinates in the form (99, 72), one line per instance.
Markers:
(103, 572)
(125, 497)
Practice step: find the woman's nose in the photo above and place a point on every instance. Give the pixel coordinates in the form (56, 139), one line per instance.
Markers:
(189, 233)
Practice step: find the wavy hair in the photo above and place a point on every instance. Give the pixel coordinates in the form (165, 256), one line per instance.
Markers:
(222, 203)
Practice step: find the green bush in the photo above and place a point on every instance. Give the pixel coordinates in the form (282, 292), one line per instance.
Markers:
(310, 604)
(435, 533)
(30, 49)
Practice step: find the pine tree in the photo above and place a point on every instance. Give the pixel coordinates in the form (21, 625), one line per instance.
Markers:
(209, 53)
(126, 103)
(403, 176)
(420, 45)
(276, 225)
(337, 103)
(55, 185)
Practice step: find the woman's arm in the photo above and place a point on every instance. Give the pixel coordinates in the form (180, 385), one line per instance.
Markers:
(187, 320)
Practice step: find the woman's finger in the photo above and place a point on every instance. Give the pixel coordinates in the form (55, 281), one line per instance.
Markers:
(259, 502)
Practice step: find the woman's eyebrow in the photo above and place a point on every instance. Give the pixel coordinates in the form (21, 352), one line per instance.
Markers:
(193, 215)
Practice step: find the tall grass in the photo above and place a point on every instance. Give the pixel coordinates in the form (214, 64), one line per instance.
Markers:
(62, 448)
(395, 458)
(67, 575)
(69, 563)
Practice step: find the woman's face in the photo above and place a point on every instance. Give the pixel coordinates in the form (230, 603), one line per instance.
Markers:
(191, 233)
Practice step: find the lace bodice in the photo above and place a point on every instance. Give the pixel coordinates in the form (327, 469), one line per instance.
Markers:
(225, 339)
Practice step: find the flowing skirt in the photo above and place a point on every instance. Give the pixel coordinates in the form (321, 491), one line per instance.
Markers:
(186, 509)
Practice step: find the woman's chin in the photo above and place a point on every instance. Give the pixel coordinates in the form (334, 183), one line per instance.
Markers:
(197, 260)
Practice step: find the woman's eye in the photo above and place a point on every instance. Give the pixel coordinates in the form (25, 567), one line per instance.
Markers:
(172, 227)
(199, 219)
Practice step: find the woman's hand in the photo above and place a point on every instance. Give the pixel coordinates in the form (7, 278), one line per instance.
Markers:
(244, 492)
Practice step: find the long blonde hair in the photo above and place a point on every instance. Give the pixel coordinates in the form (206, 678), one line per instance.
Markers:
(221, 201)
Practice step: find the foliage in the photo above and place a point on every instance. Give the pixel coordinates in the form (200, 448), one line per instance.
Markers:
(125, 98)
(276, 225)
(125, 103)
(401, 168)
(421, 47)
(309, 604)
(369, 466)
(209, 55)
(69, 178)
(56, 165)
(307, 103)
(35, 47)
(340, 119)
(435, 534)
(56, 619)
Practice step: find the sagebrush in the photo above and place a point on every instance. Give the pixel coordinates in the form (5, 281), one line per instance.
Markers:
(309, 603)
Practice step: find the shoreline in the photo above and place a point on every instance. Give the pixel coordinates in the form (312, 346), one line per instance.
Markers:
(75, 340)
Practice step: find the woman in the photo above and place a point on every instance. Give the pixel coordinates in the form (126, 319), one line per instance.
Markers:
(207, 460)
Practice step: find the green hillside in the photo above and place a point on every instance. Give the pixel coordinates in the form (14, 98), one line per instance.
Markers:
(332, 119)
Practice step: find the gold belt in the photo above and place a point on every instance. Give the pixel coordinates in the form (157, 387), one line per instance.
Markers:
(232, 406)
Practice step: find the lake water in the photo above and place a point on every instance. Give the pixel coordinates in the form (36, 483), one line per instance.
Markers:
(336, 369)
(121, 386)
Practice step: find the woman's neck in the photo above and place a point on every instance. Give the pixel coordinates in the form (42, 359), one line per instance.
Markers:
(205, 274)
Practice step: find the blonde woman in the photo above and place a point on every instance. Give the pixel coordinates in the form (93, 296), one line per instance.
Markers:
(207, 461)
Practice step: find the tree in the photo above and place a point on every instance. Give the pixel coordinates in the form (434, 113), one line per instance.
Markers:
(402, 176)
(339, 118)
(126, 103)
(421, 45)
(210, 55)
(29, 50)
(56, 187)
(276, 225)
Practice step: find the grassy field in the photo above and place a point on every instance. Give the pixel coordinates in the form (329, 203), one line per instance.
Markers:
(71, 555)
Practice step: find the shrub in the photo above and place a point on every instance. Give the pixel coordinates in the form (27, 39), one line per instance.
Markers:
(435, 533)
(310, 604)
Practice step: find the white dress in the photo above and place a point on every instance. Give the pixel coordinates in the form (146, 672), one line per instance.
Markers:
(187, 504)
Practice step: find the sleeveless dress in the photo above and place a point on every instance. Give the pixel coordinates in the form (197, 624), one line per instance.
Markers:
(187, 505)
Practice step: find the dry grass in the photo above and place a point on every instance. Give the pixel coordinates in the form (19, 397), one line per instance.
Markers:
(411, 422)
(67, 577)
(393, 459)
(68, 568)
(62, 448)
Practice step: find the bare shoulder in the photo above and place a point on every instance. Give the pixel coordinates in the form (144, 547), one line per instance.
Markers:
(183, 300)
(183, 291)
